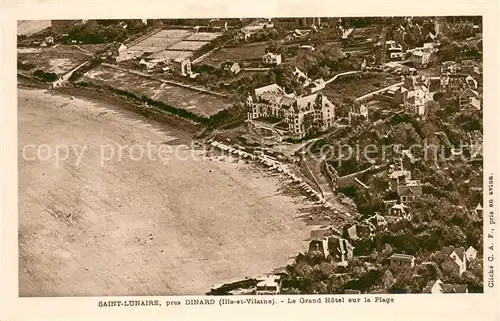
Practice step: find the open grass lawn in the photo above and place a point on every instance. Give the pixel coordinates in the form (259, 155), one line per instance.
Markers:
(353, 87)
(243, 52)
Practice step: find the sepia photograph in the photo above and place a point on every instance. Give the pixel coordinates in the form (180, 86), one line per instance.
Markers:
(250, 156)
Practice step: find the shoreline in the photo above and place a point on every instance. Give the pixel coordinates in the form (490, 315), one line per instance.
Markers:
(290, 185)
(115, 103)
(184, 126)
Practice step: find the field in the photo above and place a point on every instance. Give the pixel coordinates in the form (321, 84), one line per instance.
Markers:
(246, 52)
(197, 102)
(353, 87)
(29, 27)
(171, 43)
(188, 45)
(58, 60)
(131, 226)
(153, 44)
(203, 36)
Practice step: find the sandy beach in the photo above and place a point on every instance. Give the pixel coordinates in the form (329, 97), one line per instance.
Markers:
(137, 226)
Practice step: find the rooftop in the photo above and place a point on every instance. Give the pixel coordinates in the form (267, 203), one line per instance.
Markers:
(399, 207)
(448, 250)
(397, 174)
(401, 257)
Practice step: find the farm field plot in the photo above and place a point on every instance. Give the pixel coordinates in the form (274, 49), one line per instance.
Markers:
(153, 44)
(188, 45)
(174, 33)
(202, 104)
(161, 40)
(58, 60)
(133, 226)
(174, 43)
(203, 36)
(246, 52)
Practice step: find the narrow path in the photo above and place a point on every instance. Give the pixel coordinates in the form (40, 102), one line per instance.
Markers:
(378, 91)
(83, 50)
(341, 74)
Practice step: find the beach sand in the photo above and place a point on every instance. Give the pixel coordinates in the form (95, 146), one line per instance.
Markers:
(138, 227)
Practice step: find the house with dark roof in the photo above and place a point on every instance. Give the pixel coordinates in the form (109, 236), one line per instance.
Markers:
(316, 85)
(269, 285)
(358, 110)
(319, 245)
(334, 247)
(469, 100)
(453, 258)
(340, 250)
(398, 177)
(434, 84)
(408, 160)
(409, 191)
(457, 82)
(271, 59)
(360, 230)
(377, 221)
(396, 95)
(467, 66)
(400, 211)
(231, 67)
(398, 260)
(438, 287)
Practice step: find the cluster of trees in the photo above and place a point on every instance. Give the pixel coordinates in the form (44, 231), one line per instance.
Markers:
(455, 51)
(416, 31)
(322, 61)
(265, 35)
(459, 31)
(104, 31)
(21, 65)
(45, 76)
(312, 273)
